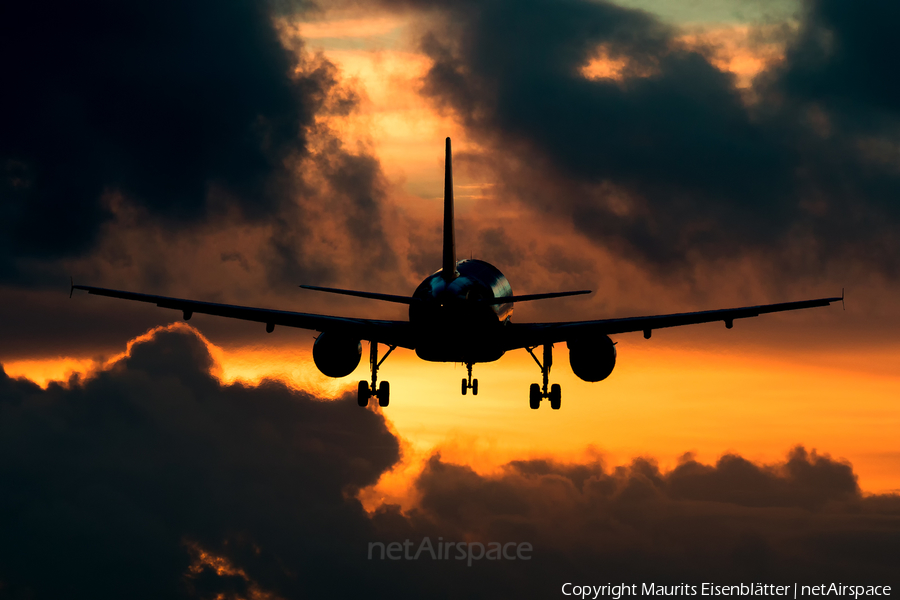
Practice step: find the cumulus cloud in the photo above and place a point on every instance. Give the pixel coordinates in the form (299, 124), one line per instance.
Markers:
(113, 482)
(800, 520)
(152, 479)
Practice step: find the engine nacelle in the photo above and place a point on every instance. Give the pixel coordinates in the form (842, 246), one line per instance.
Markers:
(592, 359)
(336, 355)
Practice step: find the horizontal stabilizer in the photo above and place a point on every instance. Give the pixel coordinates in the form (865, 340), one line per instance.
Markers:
(525, 297)
(371, 295)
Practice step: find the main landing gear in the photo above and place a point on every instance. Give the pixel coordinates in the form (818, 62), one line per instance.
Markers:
(470, 384)
(537, 393)
(383, 392)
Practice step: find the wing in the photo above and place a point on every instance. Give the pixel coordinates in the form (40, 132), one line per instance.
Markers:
(394, 333)
(522, 335)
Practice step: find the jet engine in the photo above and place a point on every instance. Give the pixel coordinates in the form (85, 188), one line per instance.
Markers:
(592, 359)
(336, 355)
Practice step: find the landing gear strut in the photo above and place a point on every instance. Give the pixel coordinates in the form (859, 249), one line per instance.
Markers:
(537, 393)
(383, 393)
(470, 384)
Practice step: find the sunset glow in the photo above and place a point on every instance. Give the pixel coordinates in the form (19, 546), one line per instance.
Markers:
(660, 402)
(184, 184)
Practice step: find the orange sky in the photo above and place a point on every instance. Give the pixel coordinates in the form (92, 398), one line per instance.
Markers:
(667, 396)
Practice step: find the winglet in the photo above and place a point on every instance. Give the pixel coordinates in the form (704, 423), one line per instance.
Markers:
(448, 266)
(72, 284)
(842, 299)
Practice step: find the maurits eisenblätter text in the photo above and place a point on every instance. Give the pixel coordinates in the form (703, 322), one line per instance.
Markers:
(794, 590)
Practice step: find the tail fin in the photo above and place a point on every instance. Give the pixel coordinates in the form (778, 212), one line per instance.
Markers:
(448, 267)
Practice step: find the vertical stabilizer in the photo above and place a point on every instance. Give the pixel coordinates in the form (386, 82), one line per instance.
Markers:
(448, 266)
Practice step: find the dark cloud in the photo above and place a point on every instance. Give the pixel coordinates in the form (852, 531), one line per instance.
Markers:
(110, 482)
(674, 165)
(179, 111)
(159, 101)
(841, 59)
(151, 479)
(801, 520)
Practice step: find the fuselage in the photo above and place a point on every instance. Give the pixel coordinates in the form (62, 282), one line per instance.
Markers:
(457, 319)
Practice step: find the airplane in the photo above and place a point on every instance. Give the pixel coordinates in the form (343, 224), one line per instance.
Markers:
(462, 314)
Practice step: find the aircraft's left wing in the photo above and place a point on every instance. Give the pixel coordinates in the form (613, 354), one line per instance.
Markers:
(525, 335)
(393, 333)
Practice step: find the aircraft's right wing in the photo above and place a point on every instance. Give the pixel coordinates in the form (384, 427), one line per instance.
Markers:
(393, 333)
(524, 335)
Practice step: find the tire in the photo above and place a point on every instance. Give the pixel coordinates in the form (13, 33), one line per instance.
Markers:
(362, 392)
(474, 387)
(465, 387)
(555, 396)
(534, 396)
(384, 393)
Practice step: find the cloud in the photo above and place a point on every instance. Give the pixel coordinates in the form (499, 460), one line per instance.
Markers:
(153, 479)
(112, 482)
(672, 163)
(840, 59)
(158, 101)
(169, 117)
(800, 520)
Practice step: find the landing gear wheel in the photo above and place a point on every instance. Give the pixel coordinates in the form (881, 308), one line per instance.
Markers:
(363, 393)
(534, 396)
(465, 387)
(384, 393)
(474, 387)
(555, 396)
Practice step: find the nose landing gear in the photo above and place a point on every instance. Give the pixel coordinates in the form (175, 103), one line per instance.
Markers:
(537, 393)
(383, 393)
(470, 384)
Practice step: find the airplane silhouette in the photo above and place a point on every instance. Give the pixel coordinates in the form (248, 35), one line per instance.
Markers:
(462, 314)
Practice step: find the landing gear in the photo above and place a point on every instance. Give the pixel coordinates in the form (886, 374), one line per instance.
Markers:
(534, 396)
(537, 393)
(555, 396)
(470, 384)
(364, 391)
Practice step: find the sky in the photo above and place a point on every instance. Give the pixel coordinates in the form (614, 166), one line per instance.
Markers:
(669, 156)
